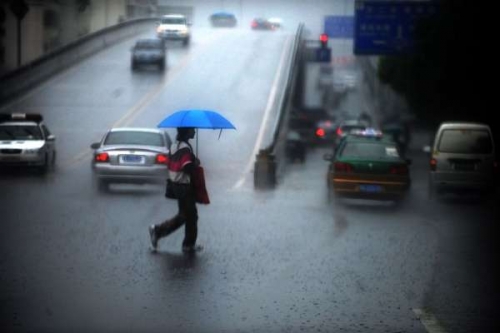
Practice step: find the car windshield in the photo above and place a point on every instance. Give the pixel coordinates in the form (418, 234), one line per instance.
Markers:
(465, 141)
(134, 138)
(368, 150)
(20, 132)
(173, 20)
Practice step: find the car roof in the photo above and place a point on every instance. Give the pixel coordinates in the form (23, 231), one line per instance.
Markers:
(149, 41)
(223, 14)
(174, 15)
(136, 129)
(463, 124)
(24, 118)
(350, 122)
(360, 138)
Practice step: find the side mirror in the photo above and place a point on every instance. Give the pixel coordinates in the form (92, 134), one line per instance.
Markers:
(51, 137)
(426, 149)
(408, 161)
(95, 145)
(328, 157)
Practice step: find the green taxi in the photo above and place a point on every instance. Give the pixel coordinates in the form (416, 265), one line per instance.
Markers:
(368, 165)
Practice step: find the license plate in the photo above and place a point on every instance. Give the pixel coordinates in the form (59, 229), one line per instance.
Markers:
(135, 159)
(370, 188)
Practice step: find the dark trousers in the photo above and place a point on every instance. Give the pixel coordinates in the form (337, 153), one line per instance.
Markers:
(187, 215)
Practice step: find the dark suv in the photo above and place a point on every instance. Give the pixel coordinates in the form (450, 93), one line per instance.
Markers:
(148, 51)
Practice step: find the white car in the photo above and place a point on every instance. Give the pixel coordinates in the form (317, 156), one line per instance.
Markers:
(26, 141)
(131, 155)
(174, 27)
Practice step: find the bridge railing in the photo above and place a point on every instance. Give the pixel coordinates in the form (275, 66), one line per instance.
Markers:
(270, 160)
(33, 73)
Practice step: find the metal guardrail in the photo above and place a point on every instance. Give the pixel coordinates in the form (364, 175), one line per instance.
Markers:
(270, 160)
(26, 77)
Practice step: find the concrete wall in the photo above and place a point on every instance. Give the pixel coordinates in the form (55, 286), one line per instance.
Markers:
(33, 73)
(69, 22)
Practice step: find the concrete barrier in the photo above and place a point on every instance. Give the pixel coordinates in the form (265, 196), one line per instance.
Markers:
(14, 83)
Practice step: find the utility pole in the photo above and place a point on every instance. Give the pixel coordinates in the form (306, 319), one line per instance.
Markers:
(19, 8)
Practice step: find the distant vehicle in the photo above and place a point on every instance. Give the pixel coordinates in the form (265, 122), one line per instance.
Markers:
(276, 22)
(326, 131)
(131, 155)
(174, 27)
(400, 133)
(463, 158)
(223, 19)
(346, 126)
(148, 51)
(367, 165)
(25, 140)
(295, 147)
(260, 23)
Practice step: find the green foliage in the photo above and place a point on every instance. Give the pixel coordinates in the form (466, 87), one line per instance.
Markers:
(440, 78)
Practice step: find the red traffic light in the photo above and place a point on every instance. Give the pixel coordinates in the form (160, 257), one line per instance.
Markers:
(323, 38)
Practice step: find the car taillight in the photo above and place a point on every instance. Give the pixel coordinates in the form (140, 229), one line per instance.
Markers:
(433, 164)
(399, 170)
(161, 159)
(102, 157)
(339, 131)
(320, 132)
(343, 167)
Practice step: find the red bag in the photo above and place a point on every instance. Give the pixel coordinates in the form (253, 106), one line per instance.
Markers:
(199, 186)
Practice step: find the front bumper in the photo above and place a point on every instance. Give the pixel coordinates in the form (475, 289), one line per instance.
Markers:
(173, 35)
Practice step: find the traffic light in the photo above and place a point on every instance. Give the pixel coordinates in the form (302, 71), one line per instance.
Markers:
(323, 39)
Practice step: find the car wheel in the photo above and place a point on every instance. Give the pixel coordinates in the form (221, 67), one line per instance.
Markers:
(133, 65)
(161, 65)
(185, 42)
(43, 169)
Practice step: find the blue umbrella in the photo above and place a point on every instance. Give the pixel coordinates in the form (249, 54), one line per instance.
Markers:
(197, 119)
(206, 119)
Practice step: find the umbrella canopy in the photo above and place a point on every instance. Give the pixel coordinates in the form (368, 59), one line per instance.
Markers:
(197, 119)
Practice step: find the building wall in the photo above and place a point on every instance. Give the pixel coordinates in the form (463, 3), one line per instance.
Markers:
(71, 22)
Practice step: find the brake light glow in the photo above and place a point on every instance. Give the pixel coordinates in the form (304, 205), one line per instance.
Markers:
(320, 132)
(161, 159)
(343, 167)
(102, 157)
(339, 131)
(399, 170)
(433, 163)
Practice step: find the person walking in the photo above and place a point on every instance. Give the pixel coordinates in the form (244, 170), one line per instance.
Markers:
(181, 166)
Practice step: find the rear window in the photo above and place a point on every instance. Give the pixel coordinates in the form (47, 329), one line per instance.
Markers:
(149, 44)
(369, 150)
(134, 138)
(465, 141)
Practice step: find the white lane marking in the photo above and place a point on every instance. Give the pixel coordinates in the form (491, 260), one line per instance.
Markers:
(429, 321)
(263, 125)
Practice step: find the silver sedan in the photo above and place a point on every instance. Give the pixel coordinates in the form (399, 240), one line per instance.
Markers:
(131, 155)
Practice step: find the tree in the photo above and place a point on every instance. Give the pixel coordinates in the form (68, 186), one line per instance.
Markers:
(441, 80)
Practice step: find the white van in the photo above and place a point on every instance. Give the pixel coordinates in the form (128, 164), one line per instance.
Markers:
(463, 158)
(174, 27)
